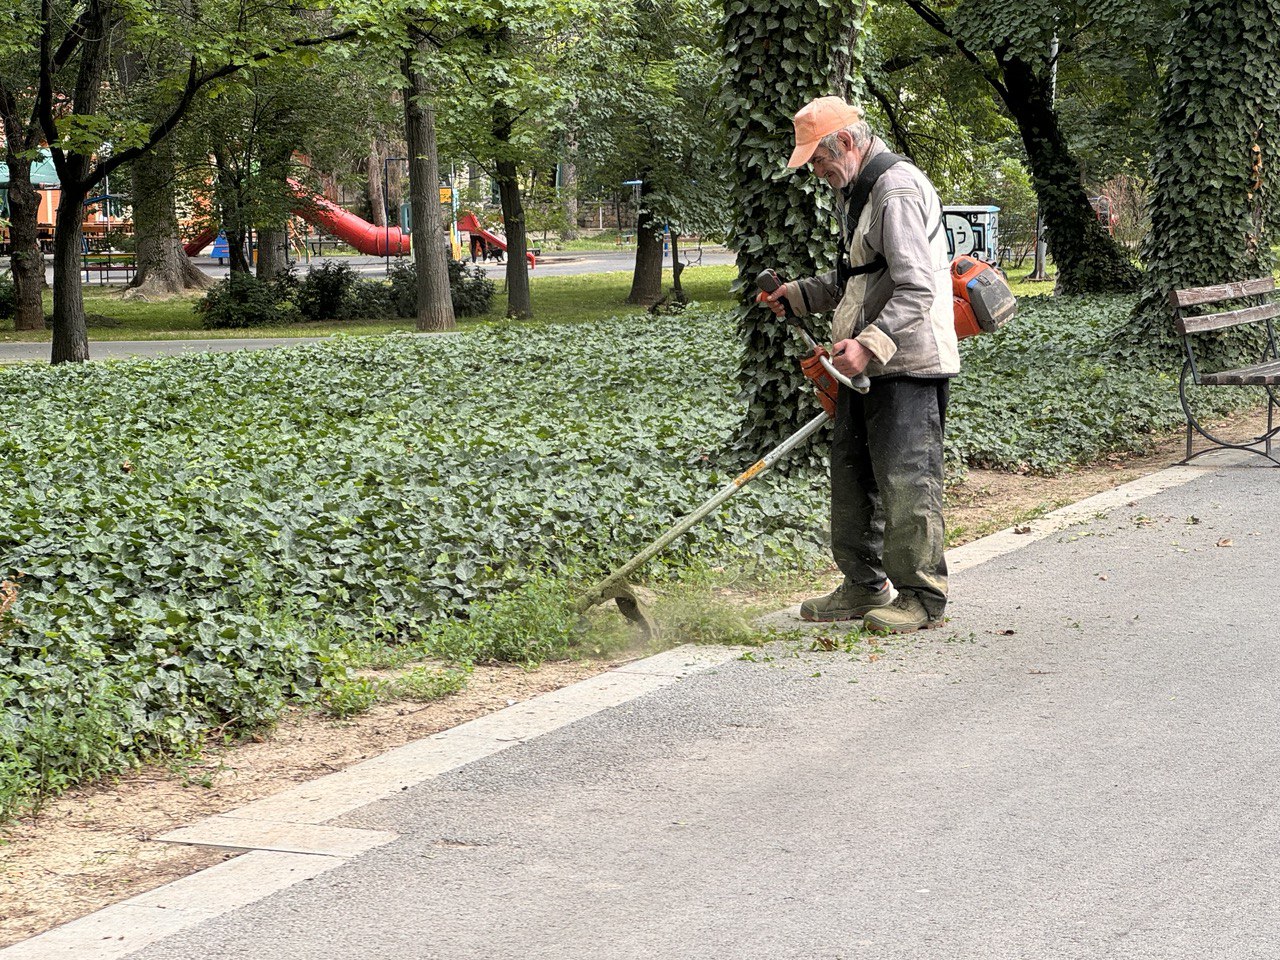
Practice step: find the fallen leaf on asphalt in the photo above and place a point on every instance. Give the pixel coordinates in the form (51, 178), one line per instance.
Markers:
(1226, 542)
(1102, 576)
(1021, 529)
(1004, 633)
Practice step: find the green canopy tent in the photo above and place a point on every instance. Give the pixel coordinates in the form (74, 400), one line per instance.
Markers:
(43, 174)
(43, 177)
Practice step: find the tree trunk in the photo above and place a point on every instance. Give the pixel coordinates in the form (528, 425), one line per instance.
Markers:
(646, 280)
(25, 256)
(164, 269)
(273, 251)
(569, 191)
(375, 189)
(778, 221)
(1087, 257)
(70, 332)
(519, 300)
(677, 268)
(1215, 174)
(430, 244)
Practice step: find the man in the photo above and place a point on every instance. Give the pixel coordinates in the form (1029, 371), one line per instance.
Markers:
(893, 321)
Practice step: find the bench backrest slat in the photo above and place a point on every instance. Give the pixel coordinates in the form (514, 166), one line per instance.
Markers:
(1231, 318)
(1225, 291)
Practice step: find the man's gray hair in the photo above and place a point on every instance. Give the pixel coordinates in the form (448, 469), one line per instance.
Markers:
(860, 132)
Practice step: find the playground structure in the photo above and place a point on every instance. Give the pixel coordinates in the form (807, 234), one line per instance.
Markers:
(470, 223)
(101, 225)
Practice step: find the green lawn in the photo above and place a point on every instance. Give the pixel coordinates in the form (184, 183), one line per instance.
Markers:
(584, 297)
(579, 298)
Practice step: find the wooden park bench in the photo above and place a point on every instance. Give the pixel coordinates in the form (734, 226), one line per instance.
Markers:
(1193, 323)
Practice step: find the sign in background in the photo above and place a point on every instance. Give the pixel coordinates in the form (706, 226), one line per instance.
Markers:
(973, 231)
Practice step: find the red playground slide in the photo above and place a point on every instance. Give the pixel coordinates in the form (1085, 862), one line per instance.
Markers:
(364, 236)
(200, 241)
(470, 223)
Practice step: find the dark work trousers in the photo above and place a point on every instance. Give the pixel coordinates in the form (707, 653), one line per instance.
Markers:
(886, 487)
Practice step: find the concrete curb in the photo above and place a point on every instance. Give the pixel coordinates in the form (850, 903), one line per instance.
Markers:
(287, 833)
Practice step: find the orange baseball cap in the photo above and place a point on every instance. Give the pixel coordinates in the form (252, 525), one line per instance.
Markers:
(815, 120)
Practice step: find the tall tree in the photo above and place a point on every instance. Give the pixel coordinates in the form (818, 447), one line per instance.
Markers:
(1015, 45)
(430, 246)
(1216, 163)
(780, 220)
(164, 269)
(18, 82)
(648, 114)
(71, 45)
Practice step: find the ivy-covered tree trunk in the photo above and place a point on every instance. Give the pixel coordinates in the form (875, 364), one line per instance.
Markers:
(164, 269)
(25, 256)
(778, 57)
(646, 279)
(1087, 258)
(1216, 163)
(430, 255)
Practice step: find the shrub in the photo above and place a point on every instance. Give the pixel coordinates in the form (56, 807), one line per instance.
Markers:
(404, 288)
(472, 292)
(8, 297)
(369, 300)
(242, 300)
(324, 293)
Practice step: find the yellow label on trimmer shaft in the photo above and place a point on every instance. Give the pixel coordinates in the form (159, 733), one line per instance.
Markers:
(751, 471)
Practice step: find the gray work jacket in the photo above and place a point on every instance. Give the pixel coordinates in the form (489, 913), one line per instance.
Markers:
(902, 313)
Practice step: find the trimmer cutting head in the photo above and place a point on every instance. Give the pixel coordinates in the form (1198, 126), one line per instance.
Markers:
(631, 603)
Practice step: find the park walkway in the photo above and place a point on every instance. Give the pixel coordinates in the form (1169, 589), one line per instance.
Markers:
(1083, 763)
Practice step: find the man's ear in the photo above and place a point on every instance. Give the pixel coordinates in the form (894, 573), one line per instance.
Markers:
(846, 140)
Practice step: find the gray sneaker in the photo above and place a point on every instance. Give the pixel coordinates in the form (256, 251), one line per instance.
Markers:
(849, 601)
(905, 615)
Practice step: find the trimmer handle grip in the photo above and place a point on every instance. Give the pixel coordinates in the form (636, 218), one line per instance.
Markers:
(769, 281)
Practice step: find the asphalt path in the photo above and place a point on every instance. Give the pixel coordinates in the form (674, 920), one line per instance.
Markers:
(1084, 762)
(550, 265)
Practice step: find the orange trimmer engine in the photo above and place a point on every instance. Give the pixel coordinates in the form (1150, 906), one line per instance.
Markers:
(823, 382)
(982, 298)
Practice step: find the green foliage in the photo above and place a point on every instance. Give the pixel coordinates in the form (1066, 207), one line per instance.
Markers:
(189, 563)
(8, 296)
(471, 289)
(242, 300)
(424, 684)
(1046, 391)
(325, 293)
(1214, 167)
(778, 56)
(344, 697)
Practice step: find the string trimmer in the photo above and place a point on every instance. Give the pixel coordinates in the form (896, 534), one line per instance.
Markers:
(818, 368)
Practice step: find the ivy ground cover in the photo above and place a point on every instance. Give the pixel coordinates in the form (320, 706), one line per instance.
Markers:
(197, 539)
